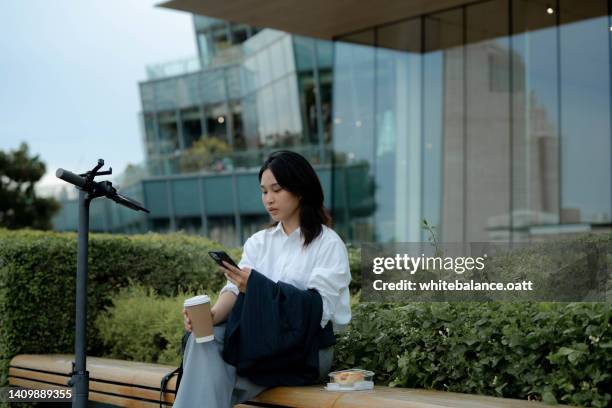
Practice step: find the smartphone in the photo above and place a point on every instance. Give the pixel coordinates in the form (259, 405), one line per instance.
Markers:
(220, 256)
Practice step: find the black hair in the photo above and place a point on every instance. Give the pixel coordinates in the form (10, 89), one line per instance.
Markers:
(293, 173)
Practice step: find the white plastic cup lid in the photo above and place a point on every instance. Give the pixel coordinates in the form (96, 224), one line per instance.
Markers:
(196, 300)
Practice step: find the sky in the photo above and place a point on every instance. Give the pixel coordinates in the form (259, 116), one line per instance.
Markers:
(69, 73)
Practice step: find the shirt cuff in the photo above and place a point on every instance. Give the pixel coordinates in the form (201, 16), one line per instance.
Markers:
(327, 313)
(230, 287)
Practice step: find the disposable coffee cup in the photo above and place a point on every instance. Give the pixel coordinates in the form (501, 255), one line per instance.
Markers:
(198, 310)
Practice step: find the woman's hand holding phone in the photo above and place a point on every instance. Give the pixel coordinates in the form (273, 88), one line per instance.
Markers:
(230, 269)
(237, 276)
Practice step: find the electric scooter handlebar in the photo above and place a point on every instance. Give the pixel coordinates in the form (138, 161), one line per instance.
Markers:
(104, 188)
(127, 202)
(70, 177)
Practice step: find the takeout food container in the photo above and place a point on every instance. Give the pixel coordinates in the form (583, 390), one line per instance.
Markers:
(354, 379)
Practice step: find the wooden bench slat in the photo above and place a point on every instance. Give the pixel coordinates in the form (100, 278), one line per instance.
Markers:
(43, 380)
(418, 398)
(119, 371)
(121, 401)
(129, 391)
(57, 363)
(381, 396)
(38, 376)
(308, 397)
(33, 384)
(99, 392)
(129, 372)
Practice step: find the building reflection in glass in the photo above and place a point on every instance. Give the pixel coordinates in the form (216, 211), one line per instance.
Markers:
(490, 120)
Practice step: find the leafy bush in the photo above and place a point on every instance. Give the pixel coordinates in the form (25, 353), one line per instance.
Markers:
(544, 351)
(143, 326)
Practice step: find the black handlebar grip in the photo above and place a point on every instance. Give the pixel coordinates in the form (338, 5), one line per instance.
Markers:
(70, 177)
(129, 202)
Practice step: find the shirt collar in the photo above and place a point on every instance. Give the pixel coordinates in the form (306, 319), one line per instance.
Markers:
(279, 229)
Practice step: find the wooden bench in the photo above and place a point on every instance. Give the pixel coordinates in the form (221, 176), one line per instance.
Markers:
(132, 384)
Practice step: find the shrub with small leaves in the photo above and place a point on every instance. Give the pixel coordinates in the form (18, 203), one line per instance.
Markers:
(143, 326)
(555, 352)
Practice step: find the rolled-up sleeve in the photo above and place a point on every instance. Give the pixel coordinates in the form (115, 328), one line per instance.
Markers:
(249, 255)
(331, 277)
(230, 287)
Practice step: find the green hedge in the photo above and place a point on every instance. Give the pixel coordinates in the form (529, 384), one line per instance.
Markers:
(157, 320)
(143, 326)
(37, 283)
(546, 351)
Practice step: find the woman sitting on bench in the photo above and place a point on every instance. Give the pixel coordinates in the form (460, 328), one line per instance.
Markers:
(297, 255)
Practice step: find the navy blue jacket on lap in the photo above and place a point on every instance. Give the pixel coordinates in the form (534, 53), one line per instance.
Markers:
(273, 334)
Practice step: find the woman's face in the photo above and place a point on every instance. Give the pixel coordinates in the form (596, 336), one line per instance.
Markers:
(281, 204)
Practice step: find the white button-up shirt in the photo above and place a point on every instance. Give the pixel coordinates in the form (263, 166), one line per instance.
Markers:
(323, 265)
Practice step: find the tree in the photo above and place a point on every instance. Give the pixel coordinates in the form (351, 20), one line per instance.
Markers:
(203, 154)
(19, 205)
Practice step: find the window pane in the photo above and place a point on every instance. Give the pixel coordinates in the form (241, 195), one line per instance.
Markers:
(192, 126)
(264, 67)
(585, 112)
(354, 139)
(398, 133)
(487, 186)
(277, 60)
(444, 117)
(250, 120)
(168, 132)
(535, 137)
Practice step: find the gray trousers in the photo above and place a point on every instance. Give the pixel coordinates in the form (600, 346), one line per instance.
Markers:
(209, 382)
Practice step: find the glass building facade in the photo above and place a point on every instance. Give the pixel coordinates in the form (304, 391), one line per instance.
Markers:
(274, 93)
(491, 120)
